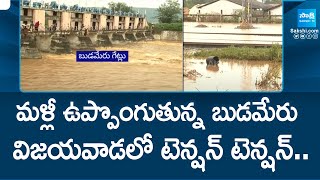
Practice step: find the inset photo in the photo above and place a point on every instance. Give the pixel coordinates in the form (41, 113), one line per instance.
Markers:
(101, 45)
(233, 45)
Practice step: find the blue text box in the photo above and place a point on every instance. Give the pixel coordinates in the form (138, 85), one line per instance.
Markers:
(102, 56)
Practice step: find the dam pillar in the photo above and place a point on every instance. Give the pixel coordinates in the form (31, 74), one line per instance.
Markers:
(60, 44)
(85, 43)
(29, 48)
(65, 21)
(126, 22)
(103, 22)
(136, 23)
(116, 22)
(120, 37)
(149, 35)
(140, 35)
(39, 15)
(87, 20)
(145, 24)
(104, 39)
(130, 36)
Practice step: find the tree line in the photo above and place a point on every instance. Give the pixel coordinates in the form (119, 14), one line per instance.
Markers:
(168, 12)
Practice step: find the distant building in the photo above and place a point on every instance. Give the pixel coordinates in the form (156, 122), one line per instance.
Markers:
(195, 9)
(276, 10)
(226, 7)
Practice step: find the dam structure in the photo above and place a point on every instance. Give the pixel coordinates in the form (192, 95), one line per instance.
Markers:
(57, 28)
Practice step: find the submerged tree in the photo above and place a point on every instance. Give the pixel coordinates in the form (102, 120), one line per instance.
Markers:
(119, 6)
(169, 12)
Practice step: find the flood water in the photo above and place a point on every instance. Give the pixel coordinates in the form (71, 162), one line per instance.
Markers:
(221, 33)
(153, 66)
(231, 28)
(228, 75)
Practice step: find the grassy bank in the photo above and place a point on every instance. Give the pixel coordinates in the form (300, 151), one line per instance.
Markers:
(168, 27)
(273, 53)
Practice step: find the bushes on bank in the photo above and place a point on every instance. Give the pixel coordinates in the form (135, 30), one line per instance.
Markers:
(167, 27)
(273, 53)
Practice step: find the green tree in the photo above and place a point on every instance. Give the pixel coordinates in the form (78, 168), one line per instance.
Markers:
(169, 12)
(119, 6)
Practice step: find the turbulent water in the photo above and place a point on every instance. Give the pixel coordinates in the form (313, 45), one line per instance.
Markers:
(228, 75)
(153, 66)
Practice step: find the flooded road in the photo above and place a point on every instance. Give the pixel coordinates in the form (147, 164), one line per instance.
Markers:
(231, 28)
(227, 33)
(228, 75)
(153, 66)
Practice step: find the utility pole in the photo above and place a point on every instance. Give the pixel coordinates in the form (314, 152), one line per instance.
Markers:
(246, 22)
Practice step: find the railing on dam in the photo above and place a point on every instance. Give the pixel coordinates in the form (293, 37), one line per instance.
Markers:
(77, 9)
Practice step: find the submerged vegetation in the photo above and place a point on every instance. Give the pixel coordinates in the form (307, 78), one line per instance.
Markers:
(273, 53)
(271, 80)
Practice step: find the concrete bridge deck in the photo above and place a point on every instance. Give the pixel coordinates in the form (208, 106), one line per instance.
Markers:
(61, 42)
(89, 32)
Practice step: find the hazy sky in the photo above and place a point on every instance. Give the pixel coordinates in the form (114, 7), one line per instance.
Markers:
(103, 3)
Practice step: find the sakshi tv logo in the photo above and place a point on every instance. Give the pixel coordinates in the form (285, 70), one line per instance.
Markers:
(4, 4)
(307, 18)
(307, 25)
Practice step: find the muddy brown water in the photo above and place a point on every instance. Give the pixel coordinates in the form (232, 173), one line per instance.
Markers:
(153, 66)
(227, 33)
(229, 75)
